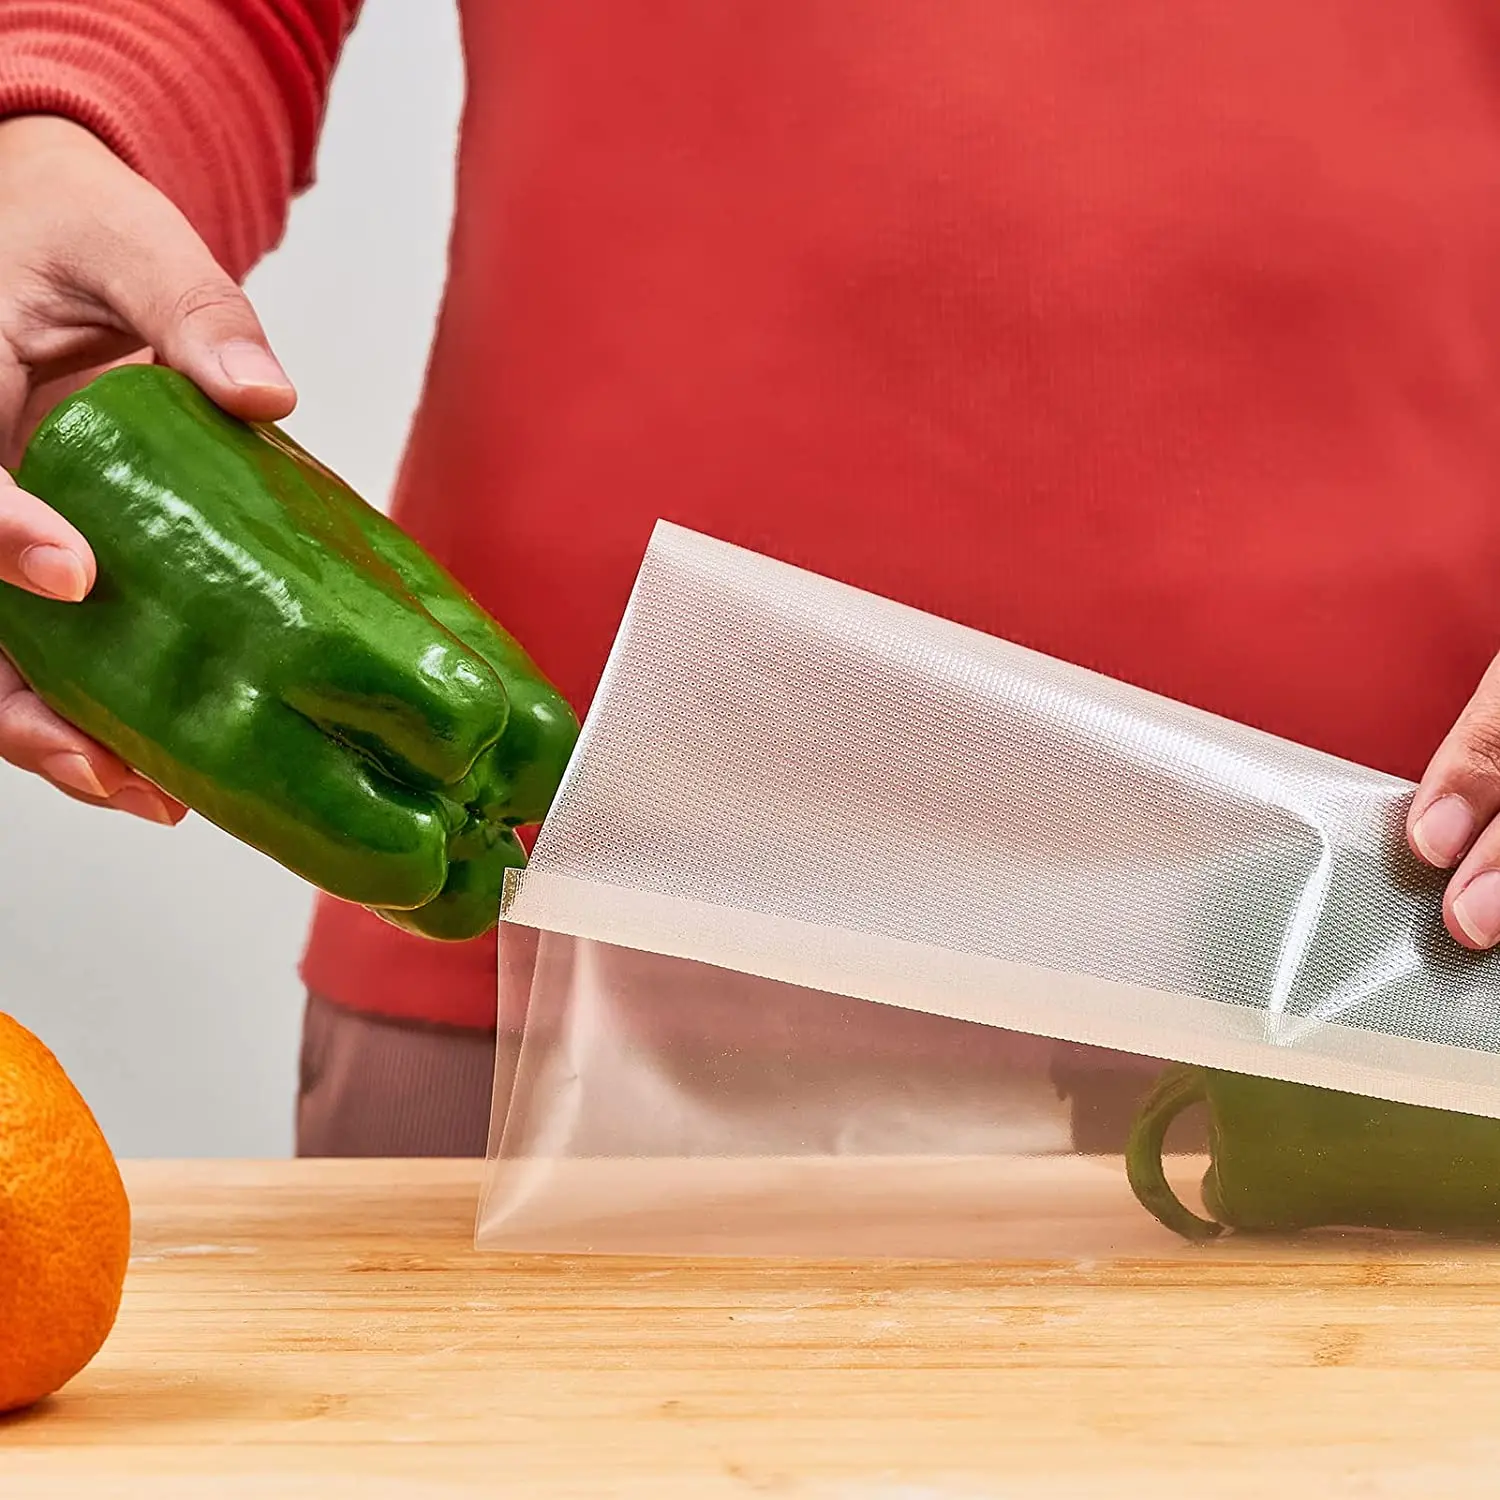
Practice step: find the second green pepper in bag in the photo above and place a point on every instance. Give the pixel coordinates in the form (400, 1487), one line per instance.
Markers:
(1288, 1156)
(279, 656)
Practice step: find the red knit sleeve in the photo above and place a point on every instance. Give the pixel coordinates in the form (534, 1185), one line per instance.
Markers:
(217, 102)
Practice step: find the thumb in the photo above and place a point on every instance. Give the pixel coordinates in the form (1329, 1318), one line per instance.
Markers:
(161, 279)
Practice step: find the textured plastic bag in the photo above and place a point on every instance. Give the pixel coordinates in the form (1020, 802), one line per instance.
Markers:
(846, 916)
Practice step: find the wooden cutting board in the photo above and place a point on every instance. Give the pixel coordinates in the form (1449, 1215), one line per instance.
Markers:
(314, 1329)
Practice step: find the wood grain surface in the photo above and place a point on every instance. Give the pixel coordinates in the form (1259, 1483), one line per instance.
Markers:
(315, 1329)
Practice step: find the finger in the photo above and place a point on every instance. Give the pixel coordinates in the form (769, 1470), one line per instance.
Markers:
(1471, 906)
(39, 551)
(33, 738)
(1460, 792)
(143, 801)
(155, 272)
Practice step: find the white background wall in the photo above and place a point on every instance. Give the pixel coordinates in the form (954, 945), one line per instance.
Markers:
(160, 965)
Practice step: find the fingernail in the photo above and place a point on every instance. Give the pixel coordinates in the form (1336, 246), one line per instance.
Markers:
(1443, 832)
(1477, 909)
(136, 800)
(247, 364)
(70, 769)
(58, 571)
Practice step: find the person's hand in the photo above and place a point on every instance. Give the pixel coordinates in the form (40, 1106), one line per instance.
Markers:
(97, 266)
(1454, 823)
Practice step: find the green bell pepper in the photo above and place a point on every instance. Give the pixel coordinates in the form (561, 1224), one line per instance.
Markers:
(280, 657)
(1288, 1156)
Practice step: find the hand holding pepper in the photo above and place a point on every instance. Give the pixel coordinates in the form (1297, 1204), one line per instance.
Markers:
(246, 634)
(96, 265)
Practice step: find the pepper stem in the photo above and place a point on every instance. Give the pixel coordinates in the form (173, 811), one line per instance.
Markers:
(1177, 1089)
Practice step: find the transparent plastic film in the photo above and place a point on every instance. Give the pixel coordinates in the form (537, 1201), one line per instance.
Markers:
(652, 1105)
(841, 892)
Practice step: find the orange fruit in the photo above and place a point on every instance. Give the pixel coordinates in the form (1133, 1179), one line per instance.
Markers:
(64, 1224)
